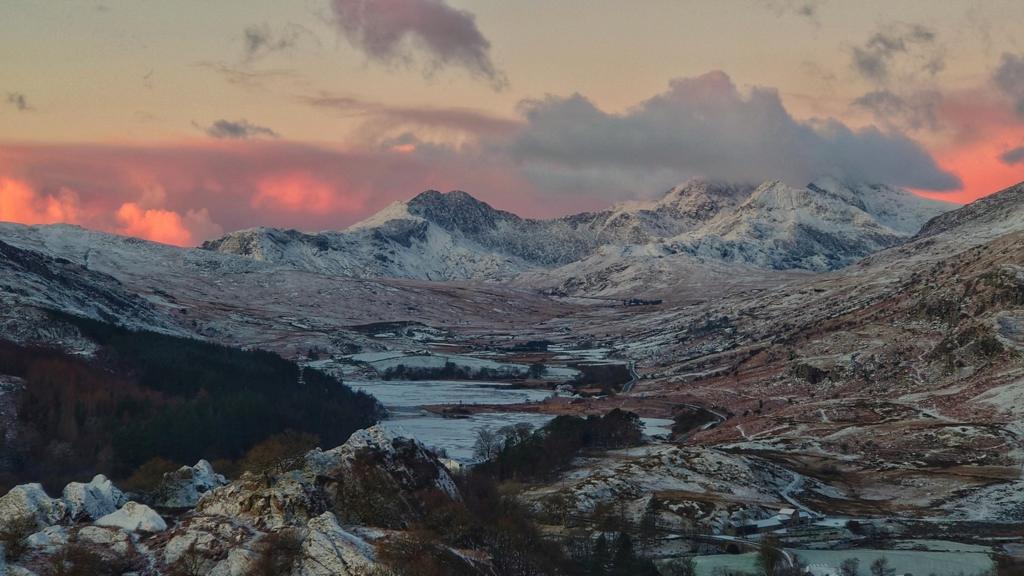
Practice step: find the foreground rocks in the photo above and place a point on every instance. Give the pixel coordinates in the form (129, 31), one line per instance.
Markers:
(309, 515)
(93, 500)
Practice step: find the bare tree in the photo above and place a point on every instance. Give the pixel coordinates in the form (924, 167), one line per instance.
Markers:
(849, 567)
(881, 567)
(488, 444)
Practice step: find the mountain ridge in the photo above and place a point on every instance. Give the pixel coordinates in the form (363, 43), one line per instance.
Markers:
(455, 236)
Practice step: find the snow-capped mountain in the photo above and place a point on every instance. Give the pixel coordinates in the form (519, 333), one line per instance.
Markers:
(453, 236)
(824, 226)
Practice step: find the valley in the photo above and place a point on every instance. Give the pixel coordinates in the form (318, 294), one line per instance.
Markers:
(807, 351)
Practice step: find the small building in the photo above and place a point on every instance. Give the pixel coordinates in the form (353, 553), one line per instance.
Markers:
(785, 518)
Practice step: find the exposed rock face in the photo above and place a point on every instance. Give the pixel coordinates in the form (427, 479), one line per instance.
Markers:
(328, 550)
(93, 500)
(268, 500)
(29, 502)
(185, 486)
(211, 541)
(134, 517)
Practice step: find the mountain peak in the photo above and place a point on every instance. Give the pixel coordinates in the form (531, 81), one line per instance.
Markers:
(450, 197)
(457, 211)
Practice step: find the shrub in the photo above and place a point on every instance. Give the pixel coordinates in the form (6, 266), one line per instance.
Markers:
(421, 554)
(13, 536)
(78, 560)
(277, 554)
(270, 452)
(147, 478)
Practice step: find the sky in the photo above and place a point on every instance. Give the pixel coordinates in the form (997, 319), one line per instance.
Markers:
(181, 121)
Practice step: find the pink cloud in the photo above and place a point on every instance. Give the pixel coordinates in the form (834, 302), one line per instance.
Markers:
(19, 202)
(212, 187)
(302, 192)
(153, 224)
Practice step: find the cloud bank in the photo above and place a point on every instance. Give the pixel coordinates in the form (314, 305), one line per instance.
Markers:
(705, 127)
(392, 31)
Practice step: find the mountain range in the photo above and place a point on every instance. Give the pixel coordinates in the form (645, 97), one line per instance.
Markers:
(452, 236)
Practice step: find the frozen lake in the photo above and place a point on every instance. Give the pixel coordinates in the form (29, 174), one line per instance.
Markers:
(404, 400)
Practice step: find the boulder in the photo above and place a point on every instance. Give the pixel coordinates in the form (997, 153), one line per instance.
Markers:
(134, 517)
(93, 500)
(48, 539)
(185, 486)
(30, 503)
(113, 539)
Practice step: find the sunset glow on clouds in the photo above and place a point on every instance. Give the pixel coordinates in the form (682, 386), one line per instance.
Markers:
(20, 203)
(316, 120)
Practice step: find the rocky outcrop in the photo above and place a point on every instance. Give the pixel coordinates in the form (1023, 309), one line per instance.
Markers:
(93, 500)
(296, 492)
(30, 503)
(185, 486)
(211, 544)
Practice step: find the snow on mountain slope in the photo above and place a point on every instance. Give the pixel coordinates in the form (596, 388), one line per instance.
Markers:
(453, 236)
(683, 208)
(399, 248)
(825, 226)
(32, 278)
(434, 236)
(897, 209)
(986, 218)
(652, 270)
(230, 299)
(729, 234)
